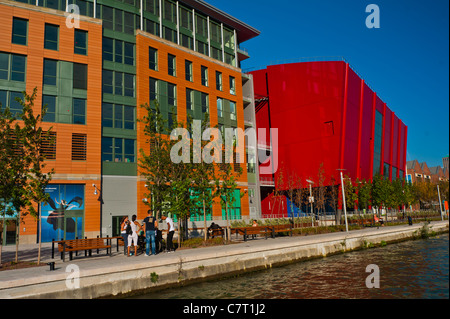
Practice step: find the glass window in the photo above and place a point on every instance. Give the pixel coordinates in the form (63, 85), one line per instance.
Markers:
(108, 45)
(153, 58)
(201, 26)
(129, 150)
(219, 107)
(170, 11)
(228, 38)
(128, 117)
(172, 94)
(50, 102)
(189, 102)
(187, 41)
(188, 70)
(80, 42)
(186, 18)
(218, 80)
(3, 98)
(51, 37)
(232, 85)
(107, 115)
(204, 75)
(79, 111)
(129, 23)
(118, 150)
(118, 51)
(107, 149)
(205, 102)
(171, 61)
(50, 71)
(107, 77)
(18, 65)
(118, 116)
(153, 83)
(128, 53)
(80, 76)
(232, 110)
(129, 85)
(107, 17)
(118, 20)
(4, 66)
(215, 31)
(202, 47)
(118, 83)
(152, 6)
(19, 31)
(14, 106)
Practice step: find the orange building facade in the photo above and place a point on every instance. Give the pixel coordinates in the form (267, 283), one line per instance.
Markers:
(94, 76)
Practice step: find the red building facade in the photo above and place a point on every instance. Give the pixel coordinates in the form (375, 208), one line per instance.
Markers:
(328, 117)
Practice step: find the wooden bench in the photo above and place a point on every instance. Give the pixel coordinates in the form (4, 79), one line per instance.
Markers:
(247, 231)
(215, 232)
(83, 244)
(280, 229)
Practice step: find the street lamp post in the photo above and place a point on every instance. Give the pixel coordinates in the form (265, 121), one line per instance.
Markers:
(343, 202)
(311, 200)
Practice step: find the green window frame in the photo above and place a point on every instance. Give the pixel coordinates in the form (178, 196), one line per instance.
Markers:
(19, 31)
(80, 77)
(232, 85)
(50, 72)
(219, 107)
(12, 67)
(4, 66)
(81, 42)
(51, 36)
(172, 64)
(79, 111)
(153, 59)
(204, 100)
(218, 81)
(204, 72)
(107, 79)
(50, 102)
(14, 106)
(188, 71)
(233, 111)
(189, 99)
(171, 94)
(18, 67)
(108, 49)
(118, 150)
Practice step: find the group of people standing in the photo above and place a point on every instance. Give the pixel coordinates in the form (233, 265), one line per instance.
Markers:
(130, 231)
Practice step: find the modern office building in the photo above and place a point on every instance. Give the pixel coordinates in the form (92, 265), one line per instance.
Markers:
(327, 118)
(95, 74)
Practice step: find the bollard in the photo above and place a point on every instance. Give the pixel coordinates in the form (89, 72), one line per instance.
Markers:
(52, 265)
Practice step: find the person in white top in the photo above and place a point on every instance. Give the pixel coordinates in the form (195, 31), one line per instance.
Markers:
(133, 237)
(170, 232)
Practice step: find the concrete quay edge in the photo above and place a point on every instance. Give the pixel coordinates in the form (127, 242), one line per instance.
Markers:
(118, 275)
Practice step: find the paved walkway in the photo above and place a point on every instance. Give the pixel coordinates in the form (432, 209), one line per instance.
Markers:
(101, 264)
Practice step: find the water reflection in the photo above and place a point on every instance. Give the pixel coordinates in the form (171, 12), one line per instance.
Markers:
(413, 269)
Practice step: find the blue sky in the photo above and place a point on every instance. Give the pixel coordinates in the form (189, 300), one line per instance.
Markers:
(406, 60)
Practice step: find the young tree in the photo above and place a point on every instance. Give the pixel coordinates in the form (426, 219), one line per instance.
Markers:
(22, 161)
(155, 165)
(364, 193)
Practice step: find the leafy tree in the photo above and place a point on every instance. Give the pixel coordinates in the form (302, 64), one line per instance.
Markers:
(155, 165)
(22, 161)
(364, 193)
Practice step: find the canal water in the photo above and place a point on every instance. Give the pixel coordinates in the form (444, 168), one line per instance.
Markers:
(416, 269)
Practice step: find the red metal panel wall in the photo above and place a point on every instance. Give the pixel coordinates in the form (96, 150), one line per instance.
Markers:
(352, 124)
(366, 135)
(308, 104)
